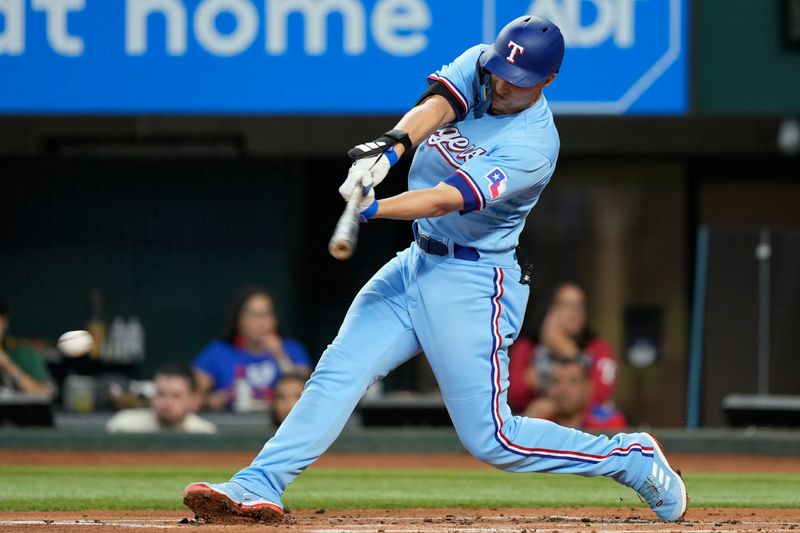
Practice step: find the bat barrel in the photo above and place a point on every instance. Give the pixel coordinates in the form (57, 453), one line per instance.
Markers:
(345, 236)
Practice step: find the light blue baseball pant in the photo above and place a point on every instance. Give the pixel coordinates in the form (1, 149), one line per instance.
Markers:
(464, 315)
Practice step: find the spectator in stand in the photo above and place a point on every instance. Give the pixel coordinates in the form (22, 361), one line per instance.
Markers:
(172, 408)
(21, 368)
(569, 398)
(286, 393)
(565, 335)
(252, 349)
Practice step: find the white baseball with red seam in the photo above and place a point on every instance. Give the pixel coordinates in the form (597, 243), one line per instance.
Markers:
(75, 343)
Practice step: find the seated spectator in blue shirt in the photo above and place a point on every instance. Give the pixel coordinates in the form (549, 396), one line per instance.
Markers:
(252, 349)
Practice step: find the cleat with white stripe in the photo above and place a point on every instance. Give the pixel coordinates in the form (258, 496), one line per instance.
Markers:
(664, 490)
(228, 503)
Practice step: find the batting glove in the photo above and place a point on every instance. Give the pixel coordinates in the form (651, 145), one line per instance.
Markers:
(372, 162)
(368, 172)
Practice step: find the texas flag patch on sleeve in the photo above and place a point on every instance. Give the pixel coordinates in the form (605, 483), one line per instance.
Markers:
(497, 182)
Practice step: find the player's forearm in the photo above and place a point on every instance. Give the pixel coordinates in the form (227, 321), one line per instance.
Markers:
(425, 203)
(410, 205)
(424, 119)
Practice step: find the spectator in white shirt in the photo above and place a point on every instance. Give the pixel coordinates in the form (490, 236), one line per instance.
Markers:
(172, 408)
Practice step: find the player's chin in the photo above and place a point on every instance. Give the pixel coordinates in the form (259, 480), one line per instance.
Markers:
(500, 107)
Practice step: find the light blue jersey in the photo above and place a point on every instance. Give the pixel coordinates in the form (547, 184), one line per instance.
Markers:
(499, 163)
(463, 311)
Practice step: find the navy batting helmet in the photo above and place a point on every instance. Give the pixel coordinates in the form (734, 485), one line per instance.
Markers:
(526, 52)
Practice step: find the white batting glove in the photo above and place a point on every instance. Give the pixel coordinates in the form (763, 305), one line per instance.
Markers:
(369, 172)
(358, 178)
(367, 199)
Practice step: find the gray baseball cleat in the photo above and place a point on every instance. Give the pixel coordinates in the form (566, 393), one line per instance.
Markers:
(664, 490)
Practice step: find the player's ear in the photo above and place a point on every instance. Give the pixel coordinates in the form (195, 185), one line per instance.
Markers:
(549, 80)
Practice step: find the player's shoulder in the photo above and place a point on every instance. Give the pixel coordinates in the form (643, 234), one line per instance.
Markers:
(528, 155)
(474, 52)
(531, 129)
(465, 64)
(539, 131)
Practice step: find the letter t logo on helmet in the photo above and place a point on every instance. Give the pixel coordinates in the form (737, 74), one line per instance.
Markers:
(515, 49)
(528, 50)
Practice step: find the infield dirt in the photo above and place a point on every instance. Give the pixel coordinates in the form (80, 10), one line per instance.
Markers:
(562, 520)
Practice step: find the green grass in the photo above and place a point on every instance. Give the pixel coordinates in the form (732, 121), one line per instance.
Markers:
(39, 488)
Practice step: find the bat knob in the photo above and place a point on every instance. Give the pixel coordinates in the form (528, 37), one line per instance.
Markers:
(341, 250)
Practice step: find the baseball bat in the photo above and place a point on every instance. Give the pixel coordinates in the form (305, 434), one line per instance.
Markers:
(345, 236)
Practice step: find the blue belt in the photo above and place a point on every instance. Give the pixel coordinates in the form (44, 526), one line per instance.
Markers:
(432, 246)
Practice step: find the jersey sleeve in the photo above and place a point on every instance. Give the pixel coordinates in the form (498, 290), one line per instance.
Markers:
(506, 173)
(460, 79)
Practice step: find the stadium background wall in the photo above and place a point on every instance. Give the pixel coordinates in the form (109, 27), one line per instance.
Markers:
(170, 214)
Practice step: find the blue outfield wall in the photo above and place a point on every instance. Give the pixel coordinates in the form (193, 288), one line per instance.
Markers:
(319, 56)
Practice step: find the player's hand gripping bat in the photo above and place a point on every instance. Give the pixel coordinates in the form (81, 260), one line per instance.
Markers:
(374, 159)
(345, 236)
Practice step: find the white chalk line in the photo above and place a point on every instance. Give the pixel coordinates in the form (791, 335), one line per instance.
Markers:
(144, 523)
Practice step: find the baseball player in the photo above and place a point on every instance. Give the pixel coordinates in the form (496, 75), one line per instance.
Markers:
(487, 147)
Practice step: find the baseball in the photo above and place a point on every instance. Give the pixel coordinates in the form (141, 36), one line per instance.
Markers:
(75, 343)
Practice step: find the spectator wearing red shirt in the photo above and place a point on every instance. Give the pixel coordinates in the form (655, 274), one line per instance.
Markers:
(569, 395)
(564, 336)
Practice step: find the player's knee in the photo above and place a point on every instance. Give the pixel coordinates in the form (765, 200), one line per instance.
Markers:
(485, 447)
(337, 371)
(494, 454)
(486, 443)
(488, 455)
